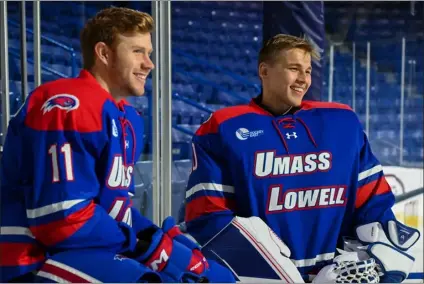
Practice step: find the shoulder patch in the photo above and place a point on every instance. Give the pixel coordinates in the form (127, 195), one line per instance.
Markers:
(73, 104)
(62, 101)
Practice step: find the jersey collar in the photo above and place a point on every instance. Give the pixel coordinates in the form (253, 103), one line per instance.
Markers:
(85, 74)
(257, 104)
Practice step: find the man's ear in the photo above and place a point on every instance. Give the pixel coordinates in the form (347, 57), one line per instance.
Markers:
(102, 52)
(263, 70)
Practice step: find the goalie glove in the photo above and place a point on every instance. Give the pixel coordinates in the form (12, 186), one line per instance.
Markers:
(388, 246)
(347, 268)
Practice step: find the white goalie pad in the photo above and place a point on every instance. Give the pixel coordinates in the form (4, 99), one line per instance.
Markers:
(253, 252)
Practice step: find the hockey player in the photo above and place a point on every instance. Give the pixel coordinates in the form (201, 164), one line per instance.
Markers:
(67, 173)
(304, 167)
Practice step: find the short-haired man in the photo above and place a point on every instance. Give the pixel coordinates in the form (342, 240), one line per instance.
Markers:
(67, 167)
(303, 167)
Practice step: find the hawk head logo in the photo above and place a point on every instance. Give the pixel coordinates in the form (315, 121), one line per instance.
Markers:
(62, 101)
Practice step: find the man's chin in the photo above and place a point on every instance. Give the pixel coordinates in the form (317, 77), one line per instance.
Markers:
(139, 92)
(295, 103)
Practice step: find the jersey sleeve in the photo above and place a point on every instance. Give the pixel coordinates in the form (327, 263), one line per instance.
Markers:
(210, 193)
(374, 198)
(139, 222)
(116, 169)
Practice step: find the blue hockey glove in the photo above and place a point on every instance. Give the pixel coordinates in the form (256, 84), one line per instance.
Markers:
(213, 271)
(159, 249)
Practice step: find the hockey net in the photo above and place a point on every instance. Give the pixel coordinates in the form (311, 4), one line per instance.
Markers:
(357, 272)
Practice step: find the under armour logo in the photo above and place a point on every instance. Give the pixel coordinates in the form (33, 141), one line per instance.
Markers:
(127, 144)
(288, 135)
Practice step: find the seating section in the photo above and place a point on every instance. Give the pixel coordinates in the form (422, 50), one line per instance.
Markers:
(215, 47)
(143, 197)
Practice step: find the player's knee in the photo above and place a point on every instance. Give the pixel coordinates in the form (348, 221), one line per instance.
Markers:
(94, 266)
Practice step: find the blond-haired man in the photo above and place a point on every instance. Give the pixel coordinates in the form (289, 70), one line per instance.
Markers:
(305, 168)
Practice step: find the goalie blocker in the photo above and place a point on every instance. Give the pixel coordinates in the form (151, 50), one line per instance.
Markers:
(253, 252)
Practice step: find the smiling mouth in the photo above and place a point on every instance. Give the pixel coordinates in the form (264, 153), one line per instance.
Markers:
(140, 76)
(297, 90)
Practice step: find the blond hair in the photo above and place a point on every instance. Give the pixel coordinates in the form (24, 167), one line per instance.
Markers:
(271, 49)
(106, 25)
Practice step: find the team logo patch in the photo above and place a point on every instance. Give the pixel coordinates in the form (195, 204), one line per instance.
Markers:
(243, 133)
(62, 101)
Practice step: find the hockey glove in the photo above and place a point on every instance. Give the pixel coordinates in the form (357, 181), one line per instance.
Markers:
(348, 268)
(158, 249)
(213, 271)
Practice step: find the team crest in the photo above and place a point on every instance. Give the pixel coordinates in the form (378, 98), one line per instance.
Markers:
(62, 101)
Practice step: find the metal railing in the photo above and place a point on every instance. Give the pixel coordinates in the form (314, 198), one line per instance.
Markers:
(44, 67)
(68, 49)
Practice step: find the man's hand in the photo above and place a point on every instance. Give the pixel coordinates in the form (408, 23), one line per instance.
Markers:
(169, 252)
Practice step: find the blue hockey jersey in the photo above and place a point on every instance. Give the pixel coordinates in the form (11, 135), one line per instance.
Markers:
(66, 175)
(309, 174)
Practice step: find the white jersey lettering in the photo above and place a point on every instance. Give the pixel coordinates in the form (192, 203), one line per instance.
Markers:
(297, 165)
(311, 164)
(119, 175)
(262, 168)
(309, 198)
(267, 164)
(290, 200)
(281, 165)
(273, 199)
(128, 217)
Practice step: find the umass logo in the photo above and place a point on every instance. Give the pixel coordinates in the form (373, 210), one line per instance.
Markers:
(62, 101)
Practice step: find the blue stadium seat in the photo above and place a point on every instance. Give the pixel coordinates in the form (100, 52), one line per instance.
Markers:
(178, 196)
(184, 168)
(143, 179)
(180, 144)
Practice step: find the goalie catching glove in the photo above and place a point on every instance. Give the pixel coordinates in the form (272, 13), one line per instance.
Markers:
(177, 258)
(388, 245)
(347, 268)
(377, 255)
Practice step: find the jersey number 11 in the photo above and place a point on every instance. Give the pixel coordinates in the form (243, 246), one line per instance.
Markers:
(66, 150)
